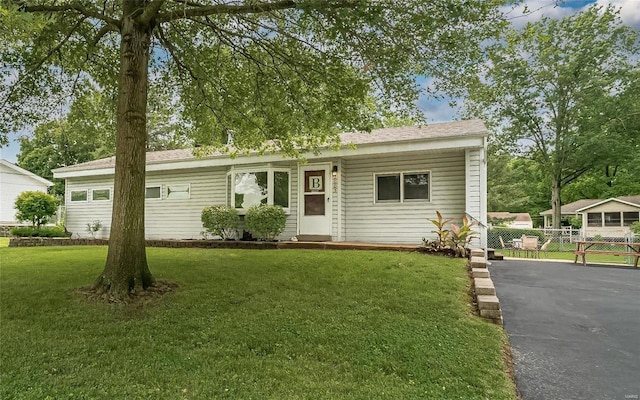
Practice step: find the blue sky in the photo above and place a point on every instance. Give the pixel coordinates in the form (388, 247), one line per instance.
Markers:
(436, 111)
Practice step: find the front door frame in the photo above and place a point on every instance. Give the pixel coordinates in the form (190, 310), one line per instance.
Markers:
(328, 192)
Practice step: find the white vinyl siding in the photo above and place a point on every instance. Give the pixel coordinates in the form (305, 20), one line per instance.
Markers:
(79, 213)
(406, 222)
(167, 217)
(12, 183)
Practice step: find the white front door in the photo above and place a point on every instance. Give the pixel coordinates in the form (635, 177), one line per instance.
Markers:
(315, 190)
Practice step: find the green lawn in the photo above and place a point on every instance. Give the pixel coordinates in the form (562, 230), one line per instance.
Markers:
(282, 324)
(4, 242)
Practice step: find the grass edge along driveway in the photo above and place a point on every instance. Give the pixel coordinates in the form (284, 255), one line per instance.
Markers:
(282, 324)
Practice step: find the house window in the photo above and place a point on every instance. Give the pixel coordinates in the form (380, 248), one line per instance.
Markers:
(153, 192)
(78, 195)
(178, 191)
(249, 188)
(100, 194)
(388, 188)
(416, 186)
(402, 187)
(629, 217)
(594, 219)
(612, 219)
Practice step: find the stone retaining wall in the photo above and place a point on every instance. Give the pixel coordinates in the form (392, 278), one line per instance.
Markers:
(208, 244)
(484, 290)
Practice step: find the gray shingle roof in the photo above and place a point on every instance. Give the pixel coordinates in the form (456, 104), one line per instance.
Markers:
(571, 208)
(435, 131)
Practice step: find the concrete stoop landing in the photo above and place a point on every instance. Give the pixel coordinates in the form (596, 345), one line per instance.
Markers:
(484, 289)
(313, 238)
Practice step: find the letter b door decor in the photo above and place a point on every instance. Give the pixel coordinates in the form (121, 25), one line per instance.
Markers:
(315, 207)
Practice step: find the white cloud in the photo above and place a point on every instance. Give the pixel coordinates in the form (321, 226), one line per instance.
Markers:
(629, 11)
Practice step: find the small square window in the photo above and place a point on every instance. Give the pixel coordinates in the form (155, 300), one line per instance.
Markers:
(178, 192)
(78, 195)
(416, 186)
(153, 192)
(100, 194)
(388, 188)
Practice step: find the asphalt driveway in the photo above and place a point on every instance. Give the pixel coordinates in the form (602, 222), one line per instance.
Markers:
(574, 330)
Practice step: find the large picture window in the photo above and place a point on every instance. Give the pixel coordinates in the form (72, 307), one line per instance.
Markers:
(246, 188)
(400, 187)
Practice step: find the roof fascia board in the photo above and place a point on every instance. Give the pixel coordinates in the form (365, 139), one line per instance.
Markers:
(606, 201)
(362, 150)
(24, 172)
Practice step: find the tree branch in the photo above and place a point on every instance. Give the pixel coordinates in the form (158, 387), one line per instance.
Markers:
(77, 7)
(255, 8)
(151, 11)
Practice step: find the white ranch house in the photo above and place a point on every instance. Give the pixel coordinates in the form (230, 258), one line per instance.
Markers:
(609, 218)
(13, 181)
(383, 191)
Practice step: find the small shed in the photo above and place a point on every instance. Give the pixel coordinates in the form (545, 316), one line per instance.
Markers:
(510, 220)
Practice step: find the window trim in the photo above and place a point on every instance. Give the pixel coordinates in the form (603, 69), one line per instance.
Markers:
(100, 200)
(161, 193)
(230, 185)
(401, 175)
(86, 193)
(188, 185)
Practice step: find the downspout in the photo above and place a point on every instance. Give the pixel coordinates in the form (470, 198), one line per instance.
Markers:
(483, 197)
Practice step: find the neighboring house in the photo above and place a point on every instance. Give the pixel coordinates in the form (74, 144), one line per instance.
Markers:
(13, 181)
(510, 220)
(607, 218)
(385, 190)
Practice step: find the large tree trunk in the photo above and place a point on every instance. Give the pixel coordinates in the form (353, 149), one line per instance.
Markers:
(126, 269)
(556, 203)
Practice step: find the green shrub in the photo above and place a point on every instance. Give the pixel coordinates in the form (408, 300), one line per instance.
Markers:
(220, 220)
(265, 222)
(635, 228)
(35, 207)
(46, 231)
(575, 221)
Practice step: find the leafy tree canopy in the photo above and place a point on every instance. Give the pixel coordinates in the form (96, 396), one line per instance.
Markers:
(294, 72)
(552, 91)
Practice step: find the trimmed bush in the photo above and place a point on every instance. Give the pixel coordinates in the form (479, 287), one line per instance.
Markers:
(265, 222)
(45, 231)
(222, 221)
(635, 228)
(35, 207)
